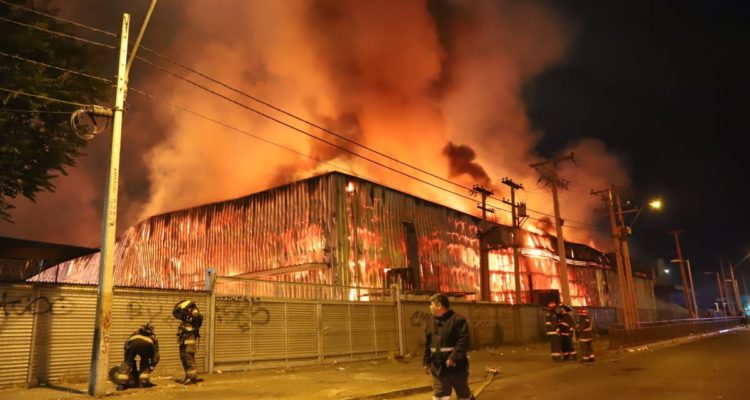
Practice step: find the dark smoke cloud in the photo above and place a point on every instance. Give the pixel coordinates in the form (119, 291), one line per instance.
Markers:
(462, 160)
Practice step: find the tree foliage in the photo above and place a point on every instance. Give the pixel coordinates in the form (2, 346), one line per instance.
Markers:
(37, 143)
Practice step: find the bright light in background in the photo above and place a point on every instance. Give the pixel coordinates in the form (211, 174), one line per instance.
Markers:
(655, 204)
(350, 187)
(666, 270)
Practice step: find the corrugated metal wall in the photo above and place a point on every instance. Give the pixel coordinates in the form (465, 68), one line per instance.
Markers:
(19, 305)
(46, 331)
(281, 332)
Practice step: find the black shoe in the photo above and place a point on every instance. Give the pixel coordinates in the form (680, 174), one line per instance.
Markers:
(121, 388)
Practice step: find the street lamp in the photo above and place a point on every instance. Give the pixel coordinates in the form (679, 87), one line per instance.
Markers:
(721, 291)
(692, 287)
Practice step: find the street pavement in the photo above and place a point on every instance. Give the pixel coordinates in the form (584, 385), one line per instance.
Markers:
(706, 367)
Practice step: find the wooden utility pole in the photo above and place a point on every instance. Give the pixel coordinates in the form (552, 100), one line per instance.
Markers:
(484, 259)
(551, 177)
(101, 345)
(516, 232)
(625, 232)
(681, 261)
(737, 298)
(608, 198)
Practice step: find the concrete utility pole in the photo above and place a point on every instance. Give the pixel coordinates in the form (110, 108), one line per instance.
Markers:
(100, 348)
(681, 261)
(484, 258)
(692, 289)
(551, 177)
(516, 232)
(625, 294)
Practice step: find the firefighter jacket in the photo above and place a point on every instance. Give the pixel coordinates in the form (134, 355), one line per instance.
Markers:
(584, 330)
(446, 337)
(189, 332)
(143, 344)
(551, 323)
(566, 324)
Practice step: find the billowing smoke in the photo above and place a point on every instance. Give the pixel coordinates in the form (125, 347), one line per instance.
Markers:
(435, 84)
(462, 160)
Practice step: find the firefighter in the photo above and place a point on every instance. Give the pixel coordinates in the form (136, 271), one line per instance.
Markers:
(446, 344)
(143, 344)
(584, 332)
(188, 335)
(553, 331)
(567, 329)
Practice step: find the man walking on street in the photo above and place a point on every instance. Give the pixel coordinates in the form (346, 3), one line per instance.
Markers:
(446, 344)
(553, 331)
(585, 335)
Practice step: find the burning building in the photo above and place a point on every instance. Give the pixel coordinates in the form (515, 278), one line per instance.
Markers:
(337, 229)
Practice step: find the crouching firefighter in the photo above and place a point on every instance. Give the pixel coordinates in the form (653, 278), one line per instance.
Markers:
(143, 344)
(585, 336)
(188, 335)
(446, 344)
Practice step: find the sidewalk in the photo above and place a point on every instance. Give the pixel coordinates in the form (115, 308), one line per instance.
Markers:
(357, 380)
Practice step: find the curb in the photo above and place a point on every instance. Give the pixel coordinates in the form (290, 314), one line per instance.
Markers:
(394, 393)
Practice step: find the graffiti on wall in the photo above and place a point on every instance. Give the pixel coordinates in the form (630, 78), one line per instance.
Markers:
(243, 312)
(18, 306)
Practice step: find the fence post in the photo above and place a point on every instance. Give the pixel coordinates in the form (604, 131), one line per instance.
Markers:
(396, 290)
(31, 380)
(210, 286)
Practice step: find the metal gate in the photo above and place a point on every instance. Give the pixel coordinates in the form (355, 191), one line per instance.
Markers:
(271, 332)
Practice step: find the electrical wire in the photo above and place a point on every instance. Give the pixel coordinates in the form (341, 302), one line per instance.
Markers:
(56, 18)
(17, 57)
(8, 110)
(73, 37)
(43, 97)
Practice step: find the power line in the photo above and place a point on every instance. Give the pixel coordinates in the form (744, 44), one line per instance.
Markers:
(56, 18)
(17, 57)
(278, 109)
(44, 97)
(290, 126)
(10, 110)
(306, 121)
(73, 37)
(199, 115)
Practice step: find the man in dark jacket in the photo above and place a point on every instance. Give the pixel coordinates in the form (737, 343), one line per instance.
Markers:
(446, 344)
(188, 335)
(142, 343)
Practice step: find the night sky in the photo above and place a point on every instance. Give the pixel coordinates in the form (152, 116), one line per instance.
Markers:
(664, 85)
(661, 83)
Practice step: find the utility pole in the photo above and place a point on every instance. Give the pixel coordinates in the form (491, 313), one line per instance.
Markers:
(692, 289)
(484, 258)
(737, 300)
(484, 262)
(516, 233)
(608, 198)
(681, 261)
(724, 286)
(551, 177)
(100, 348)
(625, 233)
